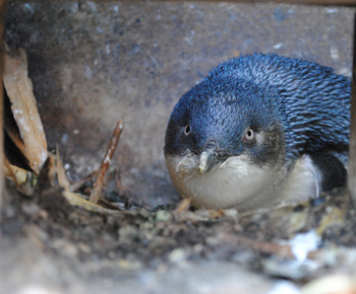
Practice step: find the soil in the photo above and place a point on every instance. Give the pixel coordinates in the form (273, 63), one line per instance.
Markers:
(52, 245)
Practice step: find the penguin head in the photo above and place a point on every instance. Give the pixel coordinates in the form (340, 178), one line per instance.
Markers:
(221, 118)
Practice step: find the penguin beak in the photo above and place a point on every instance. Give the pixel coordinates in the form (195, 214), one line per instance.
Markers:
(208, 158)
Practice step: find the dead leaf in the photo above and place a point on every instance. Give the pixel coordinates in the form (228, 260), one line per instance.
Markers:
(23, 104)
(23, 179)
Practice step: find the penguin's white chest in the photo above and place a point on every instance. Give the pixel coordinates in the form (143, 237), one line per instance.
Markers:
(237, 183)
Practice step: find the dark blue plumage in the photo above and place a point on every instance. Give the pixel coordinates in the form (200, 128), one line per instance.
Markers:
(268, 110)
(317, 101)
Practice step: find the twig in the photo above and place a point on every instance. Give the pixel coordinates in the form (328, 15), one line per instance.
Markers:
(62, 178)
(109, 204)
(184, 205)
(283, 251)
(217, 213)
(22, 178)
(96, 193)
(78, 184)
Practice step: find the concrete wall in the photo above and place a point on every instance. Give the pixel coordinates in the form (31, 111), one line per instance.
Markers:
(93, 63)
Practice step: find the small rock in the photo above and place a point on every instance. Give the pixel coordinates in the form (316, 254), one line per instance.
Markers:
(284, 287)
(163, 216)
(177, 255)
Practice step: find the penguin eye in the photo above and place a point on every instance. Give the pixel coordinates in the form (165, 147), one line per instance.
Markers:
(187, 130)
(249, 135)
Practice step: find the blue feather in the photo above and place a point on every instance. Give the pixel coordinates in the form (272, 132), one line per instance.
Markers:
(307, 102)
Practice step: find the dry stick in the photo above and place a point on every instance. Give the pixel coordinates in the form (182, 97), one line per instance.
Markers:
(284, 251)
(184, 205)
(78, 184)
(62, 178)
(96, 193)
(19, 89)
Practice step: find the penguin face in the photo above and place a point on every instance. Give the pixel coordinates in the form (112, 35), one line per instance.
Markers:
(222, 130)
(226, 118)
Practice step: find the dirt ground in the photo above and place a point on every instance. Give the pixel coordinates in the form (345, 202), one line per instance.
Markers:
(92, 63)
(51, 246)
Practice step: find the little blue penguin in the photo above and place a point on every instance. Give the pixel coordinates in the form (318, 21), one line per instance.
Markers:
(260, 131)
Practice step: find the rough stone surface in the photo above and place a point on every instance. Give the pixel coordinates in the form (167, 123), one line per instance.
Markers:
(93, 63)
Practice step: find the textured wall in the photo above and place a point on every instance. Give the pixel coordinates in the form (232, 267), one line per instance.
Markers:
(94, 63)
